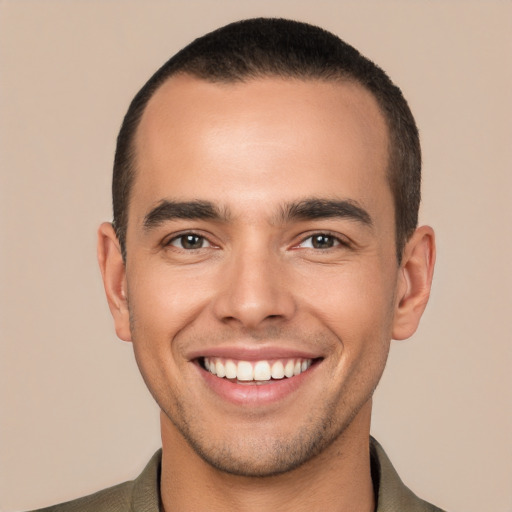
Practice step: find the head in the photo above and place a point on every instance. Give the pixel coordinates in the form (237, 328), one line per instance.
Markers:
(259, 48)
(254, 259)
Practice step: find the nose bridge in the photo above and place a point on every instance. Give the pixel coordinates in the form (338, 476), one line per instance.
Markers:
(254, 287)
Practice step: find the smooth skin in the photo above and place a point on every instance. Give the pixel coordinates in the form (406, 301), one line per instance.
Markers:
(253, 279)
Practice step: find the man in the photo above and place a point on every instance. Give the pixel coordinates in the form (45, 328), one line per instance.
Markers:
(264, 252)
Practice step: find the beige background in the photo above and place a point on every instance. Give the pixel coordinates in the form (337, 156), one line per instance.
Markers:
(75, 413)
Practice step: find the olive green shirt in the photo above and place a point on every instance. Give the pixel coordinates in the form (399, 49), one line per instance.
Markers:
(143, 493)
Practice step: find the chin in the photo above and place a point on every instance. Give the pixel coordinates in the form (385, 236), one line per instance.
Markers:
(255, 455)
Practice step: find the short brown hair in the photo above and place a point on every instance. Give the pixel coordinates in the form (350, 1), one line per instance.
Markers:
(263, 47)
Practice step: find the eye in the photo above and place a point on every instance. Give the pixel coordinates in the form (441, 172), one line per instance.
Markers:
(190, 241)
(321, 241)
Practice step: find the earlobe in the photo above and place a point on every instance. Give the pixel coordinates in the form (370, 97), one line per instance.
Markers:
(113, 272)
(415, 281)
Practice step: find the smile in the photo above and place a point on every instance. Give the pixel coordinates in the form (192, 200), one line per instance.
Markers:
(256, 371)
(256, 379)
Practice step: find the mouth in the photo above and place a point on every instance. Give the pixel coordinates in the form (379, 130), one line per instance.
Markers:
(256, 372)
(254, 379)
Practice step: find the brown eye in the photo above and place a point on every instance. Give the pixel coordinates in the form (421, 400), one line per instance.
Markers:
(320, 241)
(189, 242)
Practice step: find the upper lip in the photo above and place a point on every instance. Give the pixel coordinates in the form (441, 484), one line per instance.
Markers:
(245, 353)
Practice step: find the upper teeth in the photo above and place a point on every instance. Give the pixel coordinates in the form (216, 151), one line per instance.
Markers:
(256, 370)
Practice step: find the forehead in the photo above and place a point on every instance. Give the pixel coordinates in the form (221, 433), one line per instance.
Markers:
(266, 139)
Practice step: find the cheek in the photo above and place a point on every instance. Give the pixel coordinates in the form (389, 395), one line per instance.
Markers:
(162, 301)
(356, 304)
(159, 308)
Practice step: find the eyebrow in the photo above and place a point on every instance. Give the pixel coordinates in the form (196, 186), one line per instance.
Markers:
(306, 209)
(315, 208)
(170, 210)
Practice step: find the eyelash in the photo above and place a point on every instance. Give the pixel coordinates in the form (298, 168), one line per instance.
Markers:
(336, 240)
(182, 236)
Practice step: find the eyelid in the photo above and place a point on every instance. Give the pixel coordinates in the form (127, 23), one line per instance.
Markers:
(176, 240)
(339, 239)
(167, 241)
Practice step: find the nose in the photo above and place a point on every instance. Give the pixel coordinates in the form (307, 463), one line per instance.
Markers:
(254, 290)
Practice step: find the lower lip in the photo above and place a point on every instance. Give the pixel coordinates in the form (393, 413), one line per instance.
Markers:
(256, 394)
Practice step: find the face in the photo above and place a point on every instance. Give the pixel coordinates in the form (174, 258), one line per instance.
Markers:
(261, 278)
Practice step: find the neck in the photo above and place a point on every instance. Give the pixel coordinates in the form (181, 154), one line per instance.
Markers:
(338, 479)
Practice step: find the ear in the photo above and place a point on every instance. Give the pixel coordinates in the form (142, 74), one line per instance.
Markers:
(414, 282)
(113, 272)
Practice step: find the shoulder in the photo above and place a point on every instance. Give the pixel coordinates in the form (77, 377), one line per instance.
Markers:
(141, 494)
(392, 494)
(113, 499)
